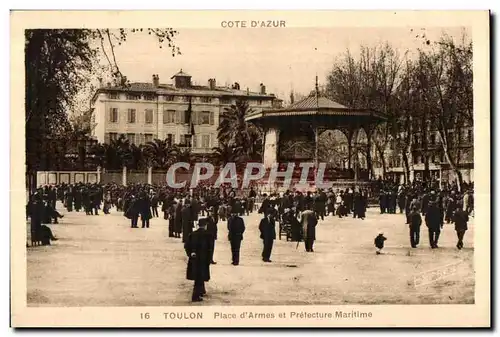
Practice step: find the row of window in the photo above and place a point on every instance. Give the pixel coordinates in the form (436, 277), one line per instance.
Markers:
(467, 135)
(169, 116)
(434, 159)
(172, 98)
(197, 141)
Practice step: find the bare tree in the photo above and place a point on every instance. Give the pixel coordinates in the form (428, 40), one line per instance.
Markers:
(445, 76)
(370, 81)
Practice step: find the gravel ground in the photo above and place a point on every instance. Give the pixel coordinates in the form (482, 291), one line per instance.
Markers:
(101, 261)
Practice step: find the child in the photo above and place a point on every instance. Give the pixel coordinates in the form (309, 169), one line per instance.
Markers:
(379, 242)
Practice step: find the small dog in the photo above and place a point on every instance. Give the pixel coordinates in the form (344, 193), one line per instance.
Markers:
(379, 242)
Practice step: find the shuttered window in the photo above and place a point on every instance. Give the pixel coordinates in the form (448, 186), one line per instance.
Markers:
(148, 116)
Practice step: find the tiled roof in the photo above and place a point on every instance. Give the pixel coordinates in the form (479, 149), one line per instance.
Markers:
(166, 89)
(311, 102)
(318, 106)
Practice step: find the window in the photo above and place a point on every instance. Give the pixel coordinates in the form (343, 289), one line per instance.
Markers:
(131, 116)
(225, 101)
(186, 98)
(149, 97)
(113, 136)
(170, 139)
(133, 97)
(112, 95)
(169, 98)
(433, 139)
(259, 102)
(148, 137)
(131, 137)
(205, 141)
(205, 118)
(469, 136)
(148, 116)
(182, 140)
(195, 141)
(206, 99)
(433, 159)
(113, 115)
(168, 116)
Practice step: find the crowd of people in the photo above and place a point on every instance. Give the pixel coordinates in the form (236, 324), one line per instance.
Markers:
(295, 212)
(426, 201)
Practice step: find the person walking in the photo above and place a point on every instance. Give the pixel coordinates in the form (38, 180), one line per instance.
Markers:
(267, 228)
(415, 221)
(198, 247)
(460, 218)
(236, 228)
(212, 230)
(309, 221)
(434, 223)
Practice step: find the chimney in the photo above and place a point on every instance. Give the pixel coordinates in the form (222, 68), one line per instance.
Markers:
(156, 81)
(248, 91)
(211, 83)
(236, 86)
(262, 89)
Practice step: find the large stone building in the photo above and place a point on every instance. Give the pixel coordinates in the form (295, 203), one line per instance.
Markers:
(147, 111)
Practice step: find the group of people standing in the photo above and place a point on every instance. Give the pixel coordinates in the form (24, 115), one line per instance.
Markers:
(427, 202)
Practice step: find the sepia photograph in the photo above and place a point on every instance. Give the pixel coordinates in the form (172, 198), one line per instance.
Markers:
(253, 162)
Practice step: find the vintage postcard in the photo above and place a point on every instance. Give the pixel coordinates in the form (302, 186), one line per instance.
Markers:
(250, 169)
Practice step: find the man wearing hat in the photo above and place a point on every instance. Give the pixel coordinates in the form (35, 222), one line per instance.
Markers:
(236, 228)
(434, 223)
(460, 218)
(415, 221)
(309, 221)
(267, 229)
(198, 247)
(212, 230)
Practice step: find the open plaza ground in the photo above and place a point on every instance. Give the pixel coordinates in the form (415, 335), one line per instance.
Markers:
(101, 261)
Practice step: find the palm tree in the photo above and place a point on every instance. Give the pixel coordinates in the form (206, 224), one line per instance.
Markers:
(225, 154)
(122, 147)
(234, 131)
(159, 153)
(184, 155)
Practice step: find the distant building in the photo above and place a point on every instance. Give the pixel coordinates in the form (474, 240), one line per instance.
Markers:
(145, 111)
(439, 168)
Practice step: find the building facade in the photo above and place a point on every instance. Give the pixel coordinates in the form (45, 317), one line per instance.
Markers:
(146, 111)
(428, 144)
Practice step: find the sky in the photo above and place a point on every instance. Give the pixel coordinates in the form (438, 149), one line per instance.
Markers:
(282, 59)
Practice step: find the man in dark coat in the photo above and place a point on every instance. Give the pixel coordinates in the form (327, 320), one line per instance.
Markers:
(187, 220)
(154, 205)
(212, 230)
(401, 200)
(198, 247)
(145, 210)
(236, 228)
(434, 223)
(309, 221)
(267, 229)
(265, 206)
(132, 211)
(171, 219)
(178, 220)
(460, 218)
(415, 221)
